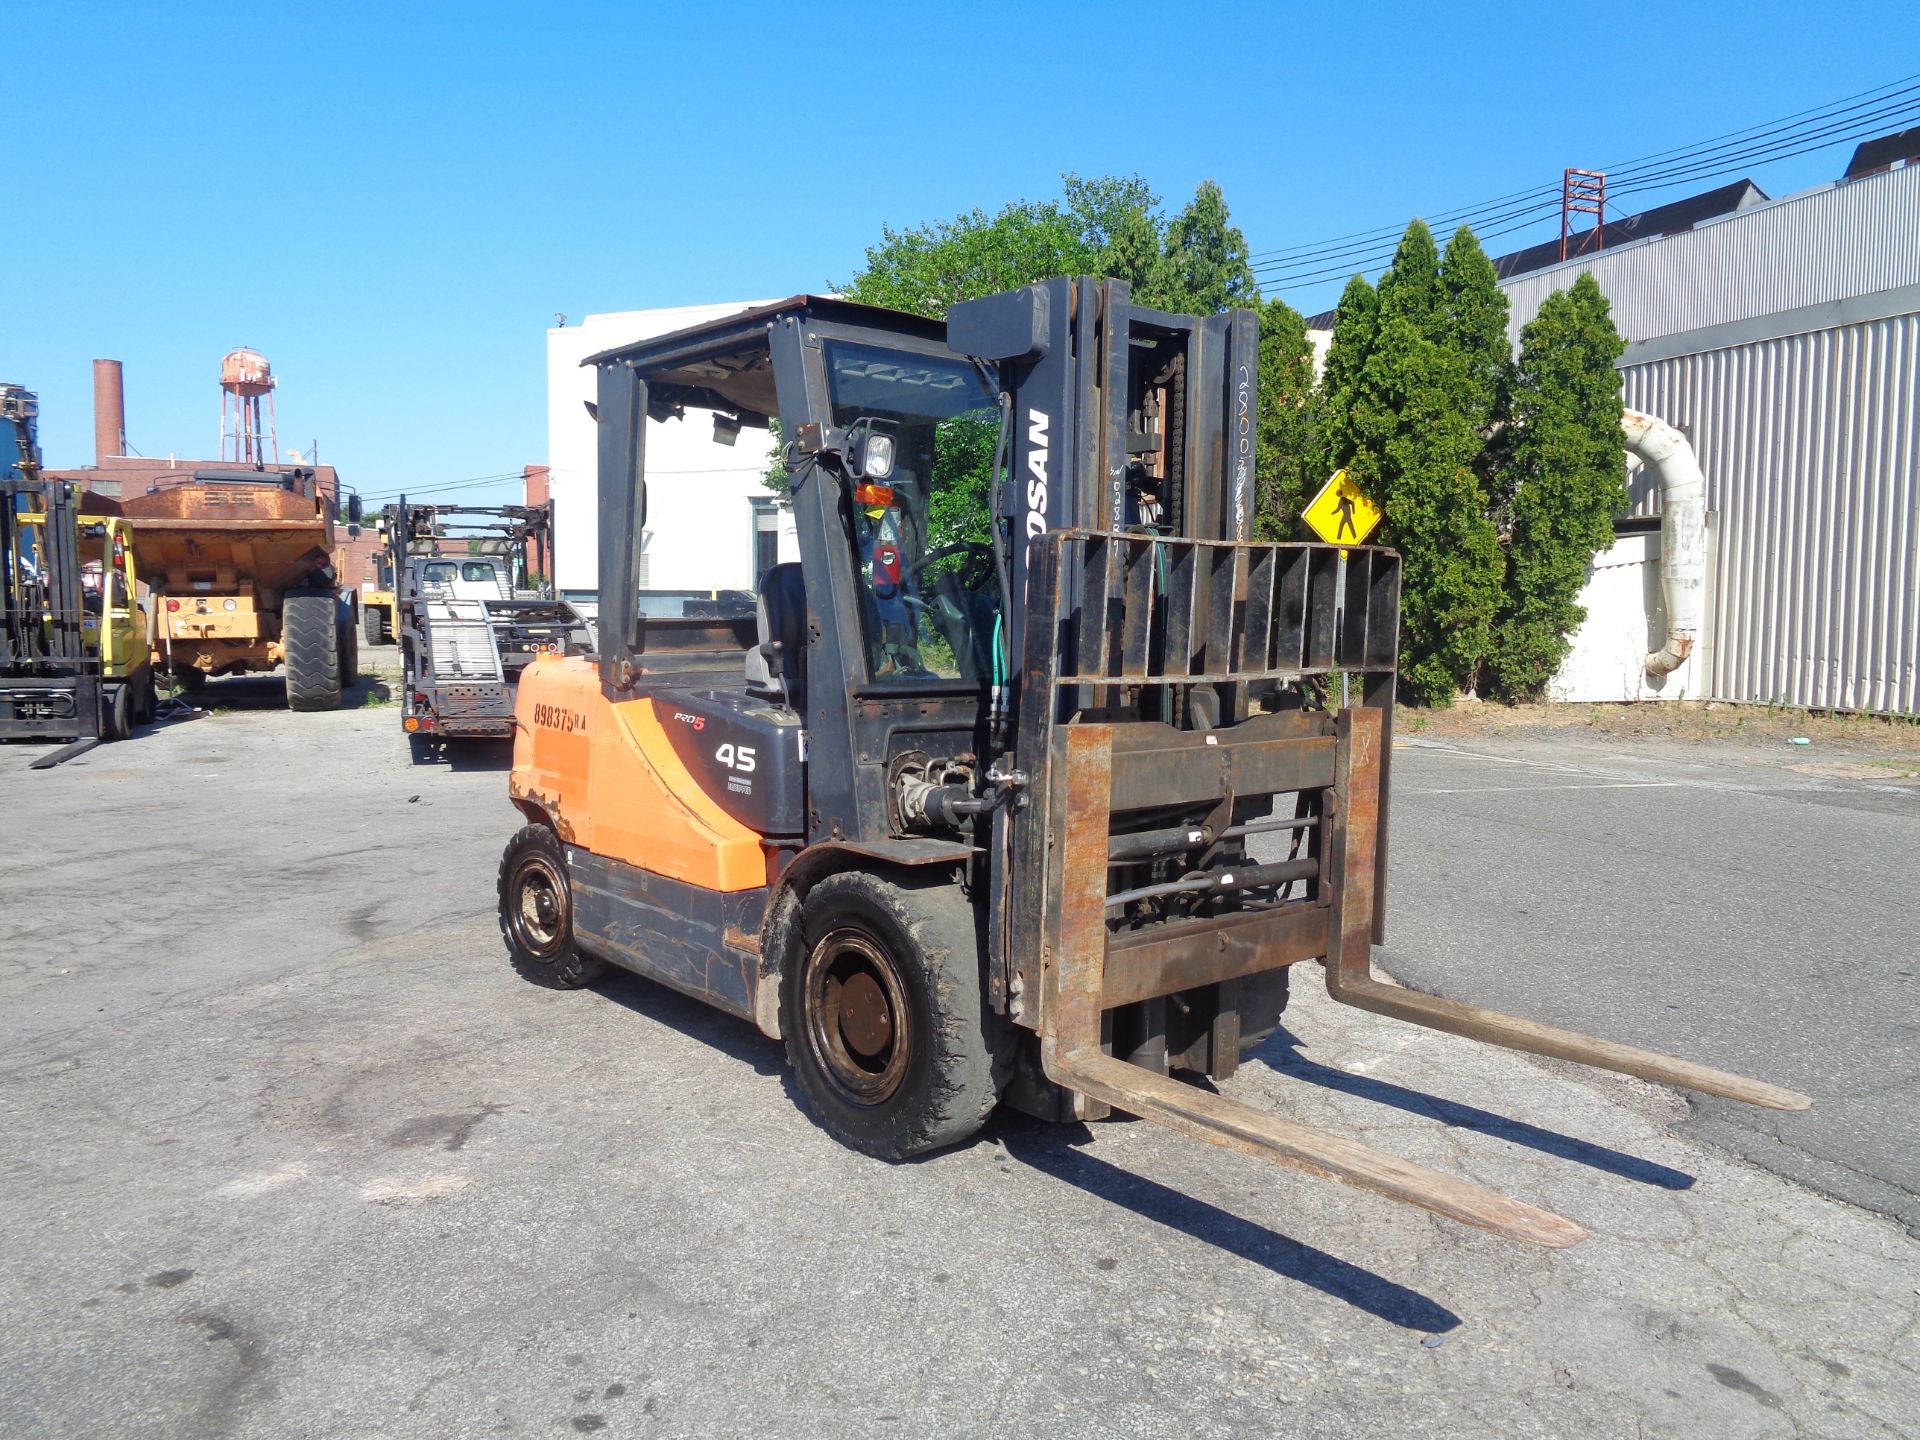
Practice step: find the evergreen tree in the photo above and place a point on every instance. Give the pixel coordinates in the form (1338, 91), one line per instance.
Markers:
(1403, 409)
(1283, 453)
(1476, 325)
(1568, 474)
(1417, 458)
(1204, 267)
(1356, 325)
(1411, 290)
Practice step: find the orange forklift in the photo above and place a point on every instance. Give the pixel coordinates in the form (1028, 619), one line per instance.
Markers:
(1029, 781)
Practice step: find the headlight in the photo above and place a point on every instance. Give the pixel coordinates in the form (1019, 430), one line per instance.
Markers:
(229, 605)
(876, 456)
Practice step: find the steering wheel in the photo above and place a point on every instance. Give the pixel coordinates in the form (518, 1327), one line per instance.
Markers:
(947, 552)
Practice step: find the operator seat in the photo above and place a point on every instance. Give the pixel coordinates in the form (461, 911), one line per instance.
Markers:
(781, 619)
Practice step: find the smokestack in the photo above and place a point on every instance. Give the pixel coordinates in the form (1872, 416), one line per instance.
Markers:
(109, 411)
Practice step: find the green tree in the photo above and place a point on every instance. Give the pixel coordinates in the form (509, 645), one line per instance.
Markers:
(1283, 451)
(1119, 219)
(1422, 471)
(1567, 478)
(1410, 290)
(1403, 409)
(929, 268)
(1195, 263)
(1356, 326)
(1476, 325)
(1203, 267)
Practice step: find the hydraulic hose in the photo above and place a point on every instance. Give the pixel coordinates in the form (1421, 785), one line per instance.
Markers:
(1002, 543)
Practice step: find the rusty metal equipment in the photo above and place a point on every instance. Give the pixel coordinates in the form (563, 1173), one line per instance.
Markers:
(1028, 782)
(239, 563)
(1267, 629)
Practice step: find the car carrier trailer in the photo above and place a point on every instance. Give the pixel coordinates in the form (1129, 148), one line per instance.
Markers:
(470, 614)
(1027, 785)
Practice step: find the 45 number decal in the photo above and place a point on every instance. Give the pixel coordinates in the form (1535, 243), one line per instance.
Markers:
(736, 757)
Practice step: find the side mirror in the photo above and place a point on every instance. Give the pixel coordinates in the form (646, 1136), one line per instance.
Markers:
(354, 510)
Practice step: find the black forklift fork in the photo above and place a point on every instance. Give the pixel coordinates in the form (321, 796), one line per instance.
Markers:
(1338, 763)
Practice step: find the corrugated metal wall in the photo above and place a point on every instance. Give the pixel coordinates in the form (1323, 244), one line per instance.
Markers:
(1856, 237)
(1811, 446)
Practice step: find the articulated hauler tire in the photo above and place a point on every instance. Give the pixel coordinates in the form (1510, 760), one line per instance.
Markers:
(349, 647)
(536, 913)
(309, 633)
(894, 1049)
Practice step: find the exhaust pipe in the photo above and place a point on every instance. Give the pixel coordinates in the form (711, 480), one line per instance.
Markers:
(1683, 531)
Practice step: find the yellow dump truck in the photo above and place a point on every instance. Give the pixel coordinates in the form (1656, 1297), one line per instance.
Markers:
(239, 564)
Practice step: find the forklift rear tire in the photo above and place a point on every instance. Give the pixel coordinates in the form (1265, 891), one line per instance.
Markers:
(309, 631)
(536, 913)
(375, 621)
(893, 1048)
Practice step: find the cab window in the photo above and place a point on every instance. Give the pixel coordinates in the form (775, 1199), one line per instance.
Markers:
(922, 534)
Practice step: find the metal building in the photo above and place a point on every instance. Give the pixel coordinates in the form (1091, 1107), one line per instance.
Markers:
(1784, 340)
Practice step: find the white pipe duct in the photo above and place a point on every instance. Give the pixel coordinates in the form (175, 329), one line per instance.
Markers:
(1683, 532)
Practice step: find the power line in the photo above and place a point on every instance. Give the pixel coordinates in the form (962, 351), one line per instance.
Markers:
(1818, 127)
(1876, 95)
(1311, 269)
(440, 486)
(1621, 182)
(1359, 257)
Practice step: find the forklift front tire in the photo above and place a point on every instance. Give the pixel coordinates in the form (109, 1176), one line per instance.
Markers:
(118, 712)
(894, 1051)
(536, 913)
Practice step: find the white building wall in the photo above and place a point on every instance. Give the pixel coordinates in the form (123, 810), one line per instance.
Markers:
(699, 492)
(1627, 621)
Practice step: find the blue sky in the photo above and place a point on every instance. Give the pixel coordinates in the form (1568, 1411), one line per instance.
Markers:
(393, 201)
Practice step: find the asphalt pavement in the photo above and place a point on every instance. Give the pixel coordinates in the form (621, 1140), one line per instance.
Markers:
(290, 1152)
(1715, 902)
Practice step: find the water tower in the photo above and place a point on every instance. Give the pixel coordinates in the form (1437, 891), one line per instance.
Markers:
(245, 377)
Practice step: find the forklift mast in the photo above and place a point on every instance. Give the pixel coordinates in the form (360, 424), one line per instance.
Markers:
(50, 682)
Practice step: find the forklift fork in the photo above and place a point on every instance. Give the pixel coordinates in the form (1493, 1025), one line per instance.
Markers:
(1349, 966)
(1076, 989)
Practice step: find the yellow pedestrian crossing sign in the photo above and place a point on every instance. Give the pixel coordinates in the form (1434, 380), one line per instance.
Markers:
(1341, 514)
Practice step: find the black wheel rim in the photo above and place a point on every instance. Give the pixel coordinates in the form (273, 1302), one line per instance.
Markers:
(537, 908)
(857, 1017)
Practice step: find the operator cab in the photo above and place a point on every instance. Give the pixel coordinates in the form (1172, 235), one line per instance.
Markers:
(889, 628)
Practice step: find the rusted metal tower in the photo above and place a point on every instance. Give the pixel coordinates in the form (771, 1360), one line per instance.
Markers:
(1582, 192)
(245, 377)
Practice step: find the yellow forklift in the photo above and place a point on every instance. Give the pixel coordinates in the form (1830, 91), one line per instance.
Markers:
(75, 662)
